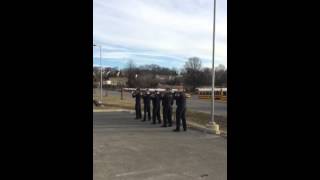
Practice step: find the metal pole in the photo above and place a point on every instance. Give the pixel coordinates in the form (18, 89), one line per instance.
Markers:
(211, 121)
(101, 84)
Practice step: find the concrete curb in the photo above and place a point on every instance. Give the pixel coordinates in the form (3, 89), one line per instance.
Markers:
(201, 128)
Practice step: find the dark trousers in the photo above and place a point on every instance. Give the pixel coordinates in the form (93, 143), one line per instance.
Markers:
(146, 110)
(167, 119)
(181, 115)
(156, 114)
(164, 114)
(169, 115)
(138, 111)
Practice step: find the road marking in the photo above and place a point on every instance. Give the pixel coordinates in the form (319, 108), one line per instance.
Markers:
(137, 172)
(113, 110)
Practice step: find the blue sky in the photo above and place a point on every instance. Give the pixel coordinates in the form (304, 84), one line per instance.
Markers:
(162, 32)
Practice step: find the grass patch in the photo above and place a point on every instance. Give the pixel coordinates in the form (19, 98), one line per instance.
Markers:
(115, 102)
(203, 118)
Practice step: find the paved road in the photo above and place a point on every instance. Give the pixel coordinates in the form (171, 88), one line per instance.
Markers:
(128, 149)
(194, 103)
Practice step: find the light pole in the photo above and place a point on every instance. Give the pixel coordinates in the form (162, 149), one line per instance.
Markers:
(100, 73)
(211, 122)
(121, 86)
(107, 74)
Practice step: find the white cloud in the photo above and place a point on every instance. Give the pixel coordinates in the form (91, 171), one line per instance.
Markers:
(179, 28)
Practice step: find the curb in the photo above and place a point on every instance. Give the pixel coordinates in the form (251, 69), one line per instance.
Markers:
(201, 128)
(204, 129)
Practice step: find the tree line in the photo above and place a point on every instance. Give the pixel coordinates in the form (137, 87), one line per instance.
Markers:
(191, 76)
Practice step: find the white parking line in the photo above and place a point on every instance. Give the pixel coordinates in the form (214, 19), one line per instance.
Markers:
(113, 110)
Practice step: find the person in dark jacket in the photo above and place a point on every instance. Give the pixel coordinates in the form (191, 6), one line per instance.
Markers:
(156, 98)
(146, 102)
(167, 106)
(180, 98)
(170, 104)
(164, 115)
(136, 94)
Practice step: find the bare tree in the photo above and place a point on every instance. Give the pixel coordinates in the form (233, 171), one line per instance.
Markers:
(206, 77)
(131, 70)
(192, 73)
(193, 63)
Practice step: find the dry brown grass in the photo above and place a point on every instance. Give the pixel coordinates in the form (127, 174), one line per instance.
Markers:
(115, 101)
(203, 118)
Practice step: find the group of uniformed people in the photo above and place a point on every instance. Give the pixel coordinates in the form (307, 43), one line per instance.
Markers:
(167, 98)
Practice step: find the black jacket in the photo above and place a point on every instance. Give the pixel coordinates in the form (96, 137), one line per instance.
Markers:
(167, 100)
(180, 98)
(156, 100)
(146, 99)
(137, 96)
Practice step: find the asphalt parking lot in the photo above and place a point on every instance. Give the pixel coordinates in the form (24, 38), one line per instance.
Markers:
(128, 149)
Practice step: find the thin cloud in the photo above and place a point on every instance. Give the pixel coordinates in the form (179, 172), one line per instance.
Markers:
(166, 28)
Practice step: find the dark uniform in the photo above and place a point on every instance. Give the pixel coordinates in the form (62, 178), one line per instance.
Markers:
(180, 98)
(170, 104)
(146, 102)
(137, 95)
(164, 115)
(167, 106)
(156, 98)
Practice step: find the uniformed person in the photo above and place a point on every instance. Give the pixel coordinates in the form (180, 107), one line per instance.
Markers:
(167, 102)
(164, 115)
(136, 94)
(180, 98)
(146, 102)
(170, 104)
(156, 98)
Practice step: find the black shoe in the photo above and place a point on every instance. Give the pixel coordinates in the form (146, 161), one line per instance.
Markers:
(143, 120)
(184, 129)
(153, 123)
(149, 119)
(170, 125)
(164, 126)
(176, 130)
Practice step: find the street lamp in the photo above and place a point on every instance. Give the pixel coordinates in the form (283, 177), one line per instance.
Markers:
(108, 72)
(100, 73)
(211, 122)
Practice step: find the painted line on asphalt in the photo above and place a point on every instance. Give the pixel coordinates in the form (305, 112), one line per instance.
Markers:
(113, 110)
(133, 173)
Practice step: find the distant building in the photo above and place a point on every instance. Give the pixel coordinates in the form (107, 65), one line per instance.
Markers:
(164, 78)
(164, 86)
(117, 81)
